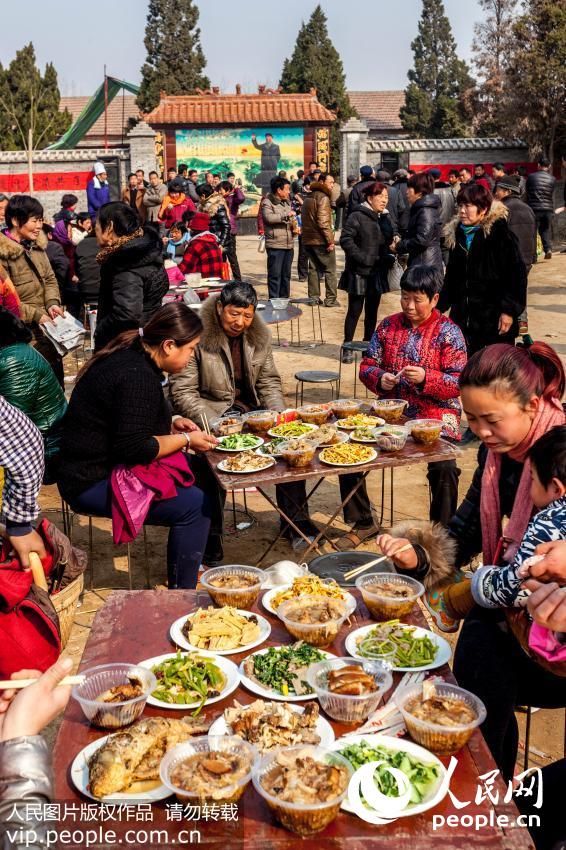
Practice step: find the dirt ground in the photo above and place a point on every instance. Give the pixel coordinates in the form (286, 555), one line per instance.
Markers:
(547, 307)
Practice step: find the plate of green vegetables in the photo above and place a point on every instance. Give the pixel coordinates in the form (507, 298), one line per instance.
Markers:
(414, 648)
(191, 679)
(428, 777)
(239, 443)
(279, 672)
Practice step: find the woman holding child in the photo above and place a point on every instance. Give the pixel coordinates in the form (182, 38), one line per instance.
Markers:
(511, 397)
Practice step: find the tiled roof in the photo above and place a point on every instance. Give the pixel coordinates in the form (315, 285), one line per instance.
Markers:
(119, 111)
(379, 109)
(494, 143)
(246, 109)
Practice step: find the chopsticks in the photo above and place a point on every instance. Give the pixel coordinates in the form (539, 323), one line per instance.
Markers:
(358, 570)
(17, 684)
(205, 423)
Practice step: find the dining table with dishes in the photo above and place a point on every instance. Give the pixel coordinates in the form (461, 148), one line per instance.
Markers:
(315, 442)
(304, 709)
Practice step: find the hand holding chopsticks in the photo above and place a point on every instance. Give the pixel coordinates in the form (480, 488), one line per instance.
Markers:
(359, 570)
(33, 706)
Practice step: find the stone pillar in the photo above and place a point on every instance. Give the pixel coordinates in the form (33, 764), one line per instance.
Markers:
(142, 148)
(353, 146)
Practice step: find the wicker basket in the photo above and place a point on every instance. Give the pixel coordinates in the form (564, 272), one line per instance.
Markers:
(65, 603)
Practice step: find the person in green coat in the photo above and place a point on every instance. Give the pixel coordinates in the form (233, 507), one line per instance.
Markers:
(28, 382)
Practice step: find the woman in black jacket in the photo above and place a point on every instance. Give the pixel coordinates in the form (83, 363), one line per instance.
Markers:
(133, 280)
(118, 415)
(422, 243)
(485, 286)
(365, 238)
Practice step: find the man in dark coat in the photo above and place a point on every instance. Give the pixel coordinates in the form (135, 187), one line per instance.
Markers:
(540, 198)
(398, 205)
(522, 223)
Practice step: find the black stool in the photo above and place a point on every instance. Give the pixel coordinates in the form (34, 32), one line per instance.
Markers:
(312, 303)
(355, 347)
(316, 377)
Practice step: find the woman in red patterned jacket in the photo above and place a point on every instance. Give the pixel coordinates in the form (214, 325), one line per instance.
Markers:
(418, 355)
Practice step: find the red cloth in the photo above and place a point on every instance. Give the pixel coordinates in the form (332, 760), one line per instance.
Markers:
(203, 255)
(134, 489)
(28, 638)
(549, 414)
(8, 296)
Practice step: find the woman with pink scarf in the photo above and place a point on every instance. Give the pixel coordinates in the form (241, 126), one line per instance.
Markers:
(511, 397)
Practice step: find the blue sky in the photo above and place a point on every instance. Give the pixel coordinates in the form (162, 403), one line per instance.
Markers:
(244, 42)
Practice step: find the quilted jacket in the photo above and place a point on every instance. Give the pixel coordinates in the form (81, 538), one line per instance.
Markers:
(28, 382)
(32, 275)
(316, 216)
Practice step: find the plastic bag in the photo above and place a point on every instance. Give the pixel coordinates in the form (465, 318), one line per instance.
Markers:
(283, 572)
(394, 276)
(261, 245)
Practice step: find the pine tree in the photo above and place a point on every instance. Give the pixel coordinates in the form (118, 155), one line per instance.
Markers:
(315, 63)
(30, 102)
(491, 49)
(440, 83)
(175, 61)
(534, 92)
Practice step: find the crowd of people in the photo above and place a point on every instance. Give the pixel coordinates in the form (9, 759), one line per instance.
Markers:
(460, 252)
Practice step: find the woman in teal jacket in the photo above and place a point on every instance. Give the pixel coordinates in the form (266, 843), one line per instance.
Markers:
(28, 382)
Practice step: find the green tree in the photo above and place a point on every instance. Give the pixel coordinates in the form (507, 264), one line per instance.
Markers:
(315, 63)
(175, 62)
(437, 97)
(491, 48)
(534, 92)
(29, 104)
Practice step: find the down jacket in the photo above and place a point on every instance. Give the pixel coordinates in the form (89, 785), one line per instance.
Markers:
(422, 243)
(485, 280)
(32, 275)
(540, 191)
(132, 283)
(316, 216)
(522, 223)
(216, 208)
(26, 785)
(207, 384)
(276, 218)
(28, 382)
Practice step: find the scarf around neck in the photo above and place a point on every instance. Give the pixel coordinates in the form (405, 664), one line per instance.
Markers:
(470, 231)
(549, 414)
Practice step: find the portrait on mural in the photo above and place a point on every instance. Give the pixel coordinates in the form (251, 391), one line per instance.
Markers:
(255, 156)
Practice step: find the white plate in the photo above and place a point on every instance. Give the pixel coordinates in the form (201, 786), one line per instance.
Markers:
(266, 601)
(265, 454)
(322, 727)
(267, 693)
(79, 778)
(442, 656)
(344, 437)
(228, 668)
(437, 791)
(344, 465)
(179, 638)
(379, 421)
(357, 440)
(258, 442)
(222, 467)
(273, 433)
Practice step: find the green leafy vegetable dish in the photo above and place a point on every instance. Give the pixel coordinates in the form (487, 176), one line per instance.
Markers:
(284, 669)
(420, 775)
(272, 449)
(188, 679)
(239, 442)
(410, 651)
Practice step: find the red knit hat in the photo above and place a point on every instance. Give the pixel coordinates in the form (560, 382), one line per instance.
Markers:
(199, 222)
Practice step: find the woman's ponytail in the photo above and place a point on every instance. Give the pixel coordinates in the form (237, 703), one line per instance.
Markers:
(548, 362)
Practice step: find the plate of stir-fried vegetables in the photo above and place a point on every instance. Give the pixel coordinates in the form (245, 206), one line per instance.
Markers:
(191, 679)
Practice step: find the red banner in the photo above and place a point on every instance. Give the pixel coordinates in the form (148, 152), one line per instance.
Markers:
(445, 168)
(48, 181)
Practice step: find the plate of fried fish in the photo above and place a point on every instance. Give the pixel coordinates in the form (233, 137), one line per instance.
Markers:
(124, 767)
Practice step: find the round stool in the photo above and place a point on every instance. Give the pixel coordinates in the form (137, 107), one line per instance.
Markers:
(312, 303)
(355, 347)
(315, 377)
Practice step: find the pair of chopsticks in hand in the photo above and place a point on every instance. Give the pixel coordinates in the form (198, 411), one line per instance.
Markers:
(358, 570)
(204, 421)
